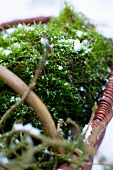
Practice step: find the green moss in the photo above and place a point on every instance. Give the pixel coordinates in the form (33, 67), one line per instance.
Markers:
(73, 76)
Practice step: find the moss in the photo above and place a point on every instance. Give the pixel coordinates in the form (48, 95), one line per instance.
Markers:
(73, 75)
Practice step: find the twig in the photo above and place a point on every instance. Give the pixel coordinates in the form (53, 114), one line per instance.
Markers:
(31, 85)
(14, 106)
(94, 109)
(47, 141)
(70, 121)
(32, 99)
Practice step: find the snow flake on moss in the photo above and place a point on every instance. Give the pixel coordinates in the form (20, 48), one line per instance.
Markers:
(42, 77)
(66, 84)
(65, 41)
(82, 88)
(74, 44)
(17, 45)
(60, 68)
(28, 127)
(10, 30)
(79, 33)
(15, 99)
(44, 41)
(12, 99)
(5, 36)
(77, 45)
(47, 62)
(85, 45)
(7, 52)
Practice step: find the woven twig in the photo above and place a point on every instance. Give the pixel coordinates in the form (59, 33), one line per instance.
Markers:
(104, 112)
(29, 21)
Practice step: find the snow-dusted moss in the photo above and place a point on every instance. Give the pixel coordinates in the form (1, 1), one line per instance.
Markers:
(74, 73)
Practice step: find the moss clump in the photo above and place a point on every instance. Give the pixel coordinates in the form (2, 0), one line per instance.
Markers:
(74, 73)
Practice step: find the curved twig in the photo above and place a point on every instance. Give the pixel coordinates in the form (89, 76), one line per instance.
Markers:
(32, 84)
(32, 99)
(101, 118)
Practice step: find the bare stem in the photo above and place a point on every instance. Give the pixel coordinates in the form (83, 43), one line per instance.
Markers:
(32, 99)
(44, 139)
(31, 85)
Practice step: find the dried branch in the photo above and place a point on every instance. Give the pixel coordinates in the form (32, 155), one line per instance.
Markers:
(44, 139)
(70, 121)
(32, 84)
(32, 99)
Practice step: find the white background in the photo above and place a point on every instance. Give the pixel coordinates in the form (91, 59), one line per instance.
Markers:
(99, 11)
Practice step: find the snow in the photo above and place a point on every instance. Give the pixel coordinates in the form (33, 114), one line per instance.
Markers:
(7, 52)
(28, 127)
(79, 33)
(82, 88)
(77, 45)
(99, 11)
(10, 30)
(87, 129)
(65, 41)
(83, 45)
(18, 126)
(60, 68)
(16, 45)
(1, 145)
(44, 41)
(4, 160)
